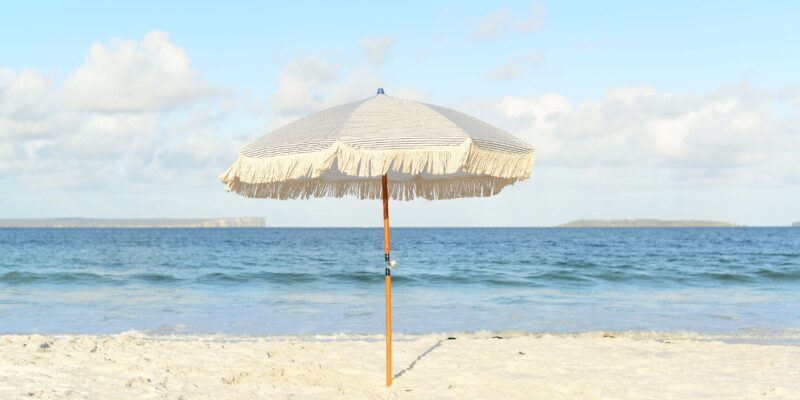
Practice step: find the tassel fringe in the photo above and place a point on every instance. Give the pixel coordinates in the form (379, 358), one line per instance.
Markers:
(299, 175)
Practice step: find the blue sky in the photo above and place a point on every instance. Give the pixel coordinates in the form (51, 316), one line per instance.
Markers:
(672, 110)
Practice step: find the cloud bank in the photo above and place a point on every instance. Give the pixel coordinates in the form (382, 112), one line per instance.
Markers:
(107, 121)
(734, 135)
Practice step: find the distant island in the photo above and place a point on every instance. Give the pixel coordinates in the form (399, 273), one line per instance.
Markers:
(645, 223)
(796, 224)
(132, 223)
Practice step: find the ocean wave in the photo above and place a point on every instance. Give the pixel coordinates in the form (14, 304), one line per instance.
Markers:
(155, 278)
(246, 277)
(791, 276)
(725, 277)
(567, 277)
(21, 277)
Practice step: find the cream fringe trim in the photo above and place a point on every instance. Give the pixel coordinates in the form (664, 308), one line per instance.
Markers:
(371, 188)
(296, 175)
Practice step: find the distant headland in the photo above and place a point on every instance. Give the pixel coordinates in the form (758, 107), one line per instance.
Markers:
(796, 224)
(645, 223)
(132, 223)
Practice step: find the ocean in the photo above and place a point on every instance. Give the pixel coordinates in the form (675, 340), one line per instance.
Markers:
(330, 280)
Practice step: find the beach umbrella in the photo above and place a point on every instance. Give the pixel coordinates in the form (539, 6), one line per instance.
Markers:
(381, 148)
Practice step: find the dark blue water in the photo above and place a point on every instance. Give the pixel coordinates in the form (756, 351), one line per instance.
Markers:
(276, 281)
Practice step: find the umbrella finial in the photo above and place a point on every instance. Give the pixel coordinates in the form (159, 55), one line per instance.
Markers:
(380, 90)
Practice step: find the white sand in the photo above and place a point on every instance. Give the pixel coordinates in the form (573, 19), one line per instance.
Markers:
(474, 366)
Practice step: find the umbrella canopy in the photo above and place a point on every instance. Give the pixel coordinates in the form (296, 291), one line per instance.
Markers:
(381, 147)
(425, 150)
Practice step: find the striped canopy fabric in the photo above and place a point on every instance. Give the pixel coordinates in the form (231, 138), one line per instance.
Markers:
(425, 150)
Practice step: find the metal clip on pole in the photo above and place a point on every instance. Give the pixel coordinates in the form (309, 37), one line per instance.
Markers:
(389, 265)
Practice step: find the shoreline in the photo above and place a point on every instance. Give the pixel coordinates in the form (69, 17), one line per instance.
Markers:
(788, 337)
(755, 335)
(473, 365)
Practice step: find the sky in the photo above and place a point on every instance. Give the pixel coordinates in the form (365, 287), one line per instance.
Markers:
(678, 110)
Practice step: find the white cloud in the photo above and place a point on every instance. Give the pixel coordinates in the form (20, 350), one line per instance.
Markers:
(735, 131)
(493, 25)
(515, 66)
(111, 136)
(534, 59)
(196, 151)
(792, 95)
(24, 94)
(504, 21)
(107, 121)
(312, 84)
(510, 70)
(377, 48)
(134, 75)
(26, 101)
(299, 86)
(534, 21)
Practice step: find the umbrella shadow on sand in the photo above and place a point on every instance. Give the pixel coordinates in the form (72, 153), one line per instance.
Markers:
(420, 357)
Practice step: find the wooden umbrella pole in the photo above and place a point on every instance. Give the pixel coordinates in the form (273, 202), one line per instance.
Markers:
(387, 279)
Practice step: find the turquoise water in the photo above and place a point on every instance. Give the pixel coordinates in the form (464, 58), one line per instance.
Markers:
(297, 281)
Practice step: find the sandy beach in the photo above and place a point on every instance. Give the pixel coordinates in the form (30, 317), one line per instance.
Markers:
(477, 366)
